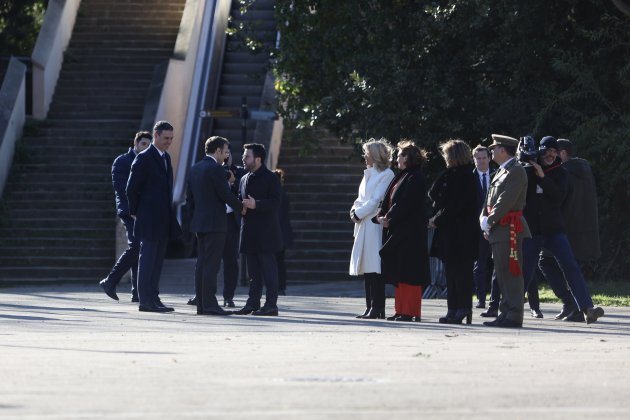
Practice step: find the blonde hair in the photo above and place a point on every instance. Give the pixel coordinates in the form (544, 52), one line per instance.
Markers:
(456, 153)
(380, 151)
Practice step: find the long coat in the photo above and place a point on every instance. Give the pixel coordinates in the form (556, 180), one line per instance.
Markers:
(120, 175)
(150, 194)
(260, 228)
(368, 236)
(404, 254)
(582, 225)
(456, 215)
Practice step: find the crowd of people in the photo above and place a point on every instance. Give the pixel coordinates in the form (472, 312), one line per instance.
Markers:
(534, 210)
(231, 209)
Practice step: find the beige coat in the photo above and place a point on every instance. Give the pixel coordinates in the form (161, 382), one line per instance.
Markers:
(368, 236)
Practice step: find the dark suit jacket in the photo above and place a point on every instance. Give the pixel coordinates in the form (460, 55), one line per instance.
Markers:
(481, 198)
(150, 195)
(404, 254)
(120, 174)
(260, 229)
(208, 192)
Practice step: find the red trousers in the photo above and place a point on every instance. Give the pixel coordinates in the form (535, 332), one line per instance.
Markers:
(408, 300)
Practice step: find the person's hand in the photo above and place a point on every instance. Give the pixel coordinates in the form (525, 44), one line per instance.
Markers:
(383, 221)
(486, 235)
(249, 202)
(133, 216)
(243, 211)
(539, 170)
(483, 224)
(432, 223)
(232, 178)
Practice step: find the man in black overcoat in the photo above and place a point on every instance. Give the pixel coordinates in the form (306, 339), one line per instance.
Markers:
(150, 195)
(261, 237)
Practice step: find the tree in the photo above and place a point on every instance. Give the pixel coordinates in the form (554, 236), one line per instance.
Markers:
(433, 70)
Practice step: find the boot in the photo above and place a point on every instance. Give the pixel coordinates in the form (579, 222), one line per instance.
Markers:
(449, 314)
(460, 315)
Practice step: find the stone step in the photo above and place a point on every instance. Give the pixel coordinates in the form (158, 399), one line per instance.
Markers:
(312, 264)
(54, 274)
(55, 261)
(319, 254)
(245, 57)
(336, 215)
(240, 90)
(75, 168)
(54, 243)
(95, 114)
(77, 223)
(97, 35)
(310, 244)
(42, 177)
(66, 160)
(53, 232)
(34, 196)
(121, 53)
(35, 201)
(327, 234)
(68, 213)
(37, 250)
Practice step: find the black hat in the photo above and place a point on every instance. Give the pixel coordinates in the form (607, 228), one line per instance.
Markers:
(548, 142)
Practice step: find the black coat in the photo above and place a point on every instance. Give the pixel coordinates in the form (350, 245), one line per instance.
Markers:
(544, 199)
(150, 195)
(404, 254)
(456, 215)
(208, 193)
(260, 229)
(120, 174)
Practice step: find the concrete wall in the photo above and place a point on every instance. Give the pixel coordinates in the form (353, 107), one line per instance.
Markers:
(12, 115)
(47, 56)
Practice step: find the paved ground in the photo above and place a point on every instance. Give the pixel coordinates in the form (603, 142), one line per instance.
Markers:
(69, 352)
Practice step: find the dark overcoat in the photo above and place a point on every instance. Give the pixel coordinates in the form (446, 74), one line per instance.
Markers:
(260, 228)
(150, 195)
(120, 174)
(404, 254)
(456, 215)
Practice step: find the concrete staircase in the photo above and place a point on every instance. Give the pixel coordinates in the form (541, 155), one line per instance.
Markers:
(58, 207)
(322, 187)
(243, 71)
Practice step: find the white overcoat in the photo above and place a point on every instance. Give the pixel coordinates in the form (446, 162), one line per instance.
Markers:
(368, 235)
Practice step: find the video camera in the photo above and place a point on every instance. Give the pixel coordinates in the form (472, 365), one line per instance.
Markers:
(527, 150)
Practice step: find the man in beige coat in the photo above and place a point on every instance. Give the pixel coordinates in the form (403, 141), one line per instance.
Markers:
(505, 227)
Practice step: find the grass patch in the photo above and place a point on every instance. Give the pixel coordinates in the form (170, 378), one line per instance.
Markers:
(610, 293)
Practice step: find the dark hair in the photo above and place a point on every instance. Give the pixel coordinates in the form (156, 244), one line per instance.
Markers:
(280, 174)
(566, 145)
(215, 142)
(258, 150)
(510, 150)
(415, 155)
(142, 135)
(480, 148)
(162, 126)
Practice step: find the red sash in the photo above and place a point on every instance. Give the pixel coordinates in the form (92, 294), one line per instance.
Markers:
(513, 218)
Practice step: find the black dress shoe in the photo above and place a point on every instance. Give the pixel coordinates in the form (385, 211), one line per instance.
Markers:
(575, 316)
(459, 316)
(215, 311)
(159, 304)
(480, 305)
(153, 308)
(375, 314)
(109, 289)
(566, 311)
(593, 313)
(490, 313)
(134, 299)
(282, 292)
(228, 303)
(448, 316)
(536, 313)
(192, 301)
(390, 318)
(404, 318)
(245, 310)
(364, 314)
(266, 312)
(507, 323)
(491, 323)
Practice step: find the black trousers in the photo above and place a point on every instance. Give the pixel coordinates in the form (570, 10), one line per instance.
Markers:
(282, 271)
(263, 269)
(128, 260)
(209, 252)
(374, 290)
(230, 258)
(459, 284)
(150, 269)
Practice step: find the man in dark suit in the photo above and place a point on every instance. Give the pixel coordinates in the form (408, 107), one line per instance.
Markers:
(150, 195)
(483, 263)
(208, 194)
(129, 258)
(261, 237)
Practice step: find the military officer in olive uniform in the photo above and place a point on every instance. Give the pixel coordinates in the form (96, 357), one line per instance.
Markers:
(505, 227)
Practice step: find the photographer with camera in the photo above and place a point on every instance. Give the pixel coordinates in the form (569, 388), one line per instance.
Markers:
(547, 189)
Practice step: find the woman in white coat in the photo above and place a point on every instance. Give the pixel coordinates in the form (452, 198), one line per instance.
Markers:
(365, 259)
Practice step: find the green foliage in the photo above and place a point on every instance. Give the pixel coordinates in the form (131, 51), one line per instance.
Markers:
(433, 70)
(20, 21)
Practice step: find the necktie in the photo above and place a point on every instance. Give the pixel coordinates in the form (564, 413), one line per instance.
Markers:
(165, 162)
(484, 185)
